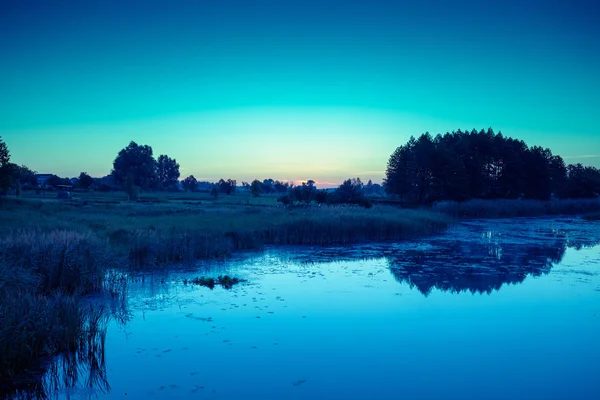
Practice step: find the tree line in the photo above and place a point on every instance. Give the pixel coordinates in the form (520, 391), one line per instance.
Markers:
(455, 166)
(482, 164)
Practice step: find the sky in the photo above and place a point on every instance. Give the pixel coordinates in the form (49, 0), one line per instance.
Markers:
(286, 89)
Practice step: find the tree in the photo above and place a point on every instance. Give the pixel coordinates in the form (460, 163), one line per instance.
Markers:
(190, 183)
(472, 164)
(4, 154)
(132, 190)
(214, 190)
(350, 192)
(255, 188)
(85, 180)
(135, 162)
(227, 186)
(281, 187)
(307, 191)
(55, 181)
(582, 182)
(400, 173)
(6, 168)
(167, 172)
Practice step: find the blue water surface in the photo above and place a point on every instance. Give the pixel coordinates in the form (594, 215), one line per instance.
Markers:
(507, 309)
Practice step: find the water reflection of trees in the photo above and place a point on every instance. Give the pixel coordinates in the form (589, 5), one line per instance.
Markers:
(474, 267)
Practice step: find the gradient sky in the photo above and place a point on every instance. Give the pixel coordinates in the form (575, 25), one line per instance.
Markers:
(295, 90)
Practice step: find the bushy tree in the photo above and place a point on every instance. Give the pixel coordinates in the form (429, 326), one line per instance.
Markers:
(215, 190)
(281, 187)
(167, 172)
(25, 176)
(256, 188)
(55, 181)
(4, 153)
(349, 190)
(321, 196)
(135, 162)
(132, 190)
(227, 186)
(582, 182)
(6, 168)
(190, 183)
(85, 180)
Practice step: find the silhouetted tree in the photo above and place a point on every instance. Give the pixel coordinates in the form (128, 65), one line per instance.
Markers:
(85, 181)
(190, 183)
(167, 172)
(268, 186)
(227, 186)
(135, 161)
(6, 168)
(281, 187)
(255, 188)
(4, 153)
(214, 191)
(471, 164)
(132, 190)
(55, 181)
(321, 196)
(582, 182)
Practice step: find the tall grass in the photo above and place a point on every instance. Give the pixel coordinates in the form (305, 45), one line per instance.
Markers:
(42, 278)
(516, 208)
(235, 231)
(60, 260)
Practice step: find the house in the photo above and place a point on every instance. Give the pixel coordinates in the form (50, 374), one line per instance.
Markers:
(42, 180)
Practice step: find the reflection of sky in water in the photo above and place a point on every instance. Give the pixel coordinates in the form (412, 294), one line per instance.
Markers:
(352, 329)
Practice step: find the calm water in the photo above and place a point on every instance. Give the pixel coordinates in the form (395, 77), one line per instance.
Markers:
(507, 309)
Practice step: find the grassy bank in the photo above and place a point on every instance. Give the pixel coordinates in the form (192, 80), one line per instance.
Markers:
(516, 208)
(52, 253)
(42, 278)
(161, 233)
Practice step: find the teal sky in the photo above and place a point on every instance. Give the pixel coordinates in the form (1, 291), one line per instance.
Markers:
(291, 89)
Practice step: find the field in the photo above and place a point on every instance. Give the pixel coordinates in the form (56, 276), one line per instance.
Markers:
(171, 228)
(193, 198)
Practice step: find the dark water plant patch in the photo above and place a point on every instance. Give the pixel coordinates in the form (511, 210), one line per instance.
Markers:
(225, 281)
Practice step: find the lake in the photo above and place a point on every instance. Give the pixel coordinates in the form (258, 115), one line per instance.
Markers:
(502, 309)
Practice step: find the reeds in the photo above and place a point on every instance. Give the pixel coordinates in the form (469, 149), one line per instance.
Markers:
(327, 225)
(42, 278)
(62, 260)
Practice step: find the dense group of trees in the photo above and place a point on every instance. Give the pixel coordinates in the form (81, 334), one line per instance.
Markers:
(135, 169)
(267, 186)
(352, 191)
(484, 165)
